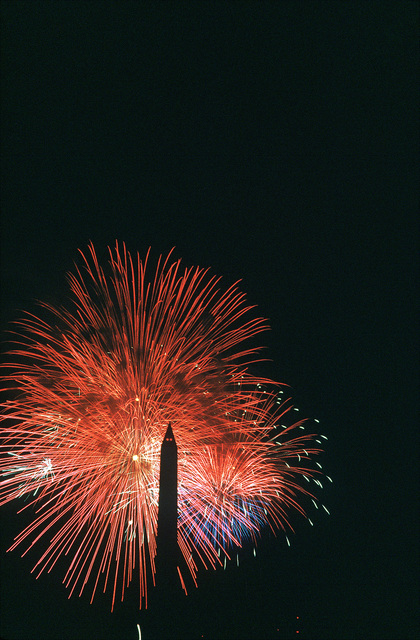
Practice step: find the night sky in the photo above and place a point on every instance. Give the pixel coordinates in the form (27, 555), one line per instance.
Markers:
(275, 143)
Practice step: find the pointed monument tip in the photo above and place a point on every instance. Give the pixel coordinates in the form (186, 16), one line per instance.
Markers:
(169, 435)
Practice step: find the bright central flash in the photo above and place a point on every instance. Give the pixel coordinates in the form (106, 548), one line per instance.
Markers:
(135, 457)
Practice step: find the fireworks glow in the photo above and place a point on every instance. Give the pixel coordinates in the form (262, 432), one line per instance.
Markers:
(91, 392)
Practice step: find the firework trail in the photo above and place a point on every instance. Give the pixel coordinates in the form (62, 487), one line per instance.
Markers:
(91, 392)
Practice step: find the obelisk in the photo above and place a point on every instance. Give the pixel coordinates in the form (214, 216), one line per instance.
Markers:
(167, 543)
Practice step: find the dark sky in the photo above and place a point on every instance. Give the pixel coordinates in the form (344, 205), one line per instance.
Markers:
(273, 142)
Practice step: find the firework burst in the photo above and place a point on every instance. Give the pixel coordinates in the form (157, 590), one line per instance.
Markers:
(94, 389)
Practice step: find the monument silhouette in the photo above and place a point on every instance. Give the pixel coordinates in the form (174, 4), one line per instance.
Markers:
(167, 577)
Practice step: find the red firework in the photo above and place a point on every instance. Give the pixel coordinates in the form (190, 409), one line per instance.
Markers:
(96, 388)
